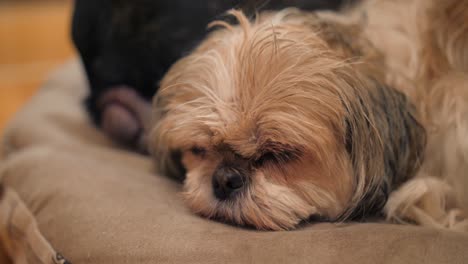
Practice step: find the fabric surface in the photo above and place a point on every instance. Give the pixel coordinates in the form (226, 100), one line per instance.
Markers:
(96, 203)
(20, 235)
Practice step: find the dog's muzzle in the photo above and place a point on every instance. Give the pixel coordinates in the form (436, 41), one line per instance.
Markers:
(227, 182)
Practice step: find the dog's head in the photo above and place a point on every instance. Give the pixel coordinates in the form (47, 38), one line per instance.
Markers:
(273, 124)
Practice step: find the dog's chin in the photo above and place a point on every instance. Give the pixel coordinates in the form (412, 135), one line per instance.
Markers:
(263, 205)
(244, 212)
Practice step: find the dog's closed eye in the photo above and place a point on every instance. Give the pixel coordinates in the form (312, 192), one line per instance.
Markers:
(274, 157)
(198, 151)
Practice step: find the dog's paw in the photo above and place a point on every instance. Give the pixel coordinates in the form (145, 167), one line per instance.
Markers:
(426, 201)
(125, 116)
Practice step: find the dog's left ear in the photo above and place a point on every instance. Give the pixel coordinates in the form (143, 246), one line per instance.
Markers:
(385, 143)
(383, 138)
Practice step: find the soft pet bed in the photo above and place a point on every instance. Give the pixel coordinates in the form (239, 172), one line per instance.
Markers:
(68, 189)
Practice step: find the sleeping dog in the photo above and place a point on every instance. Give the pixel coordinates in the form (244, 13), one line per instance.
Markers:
(330, 115)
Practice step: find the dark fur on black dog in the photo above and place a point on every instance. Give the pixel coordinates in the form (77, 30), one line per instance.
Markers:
(127, 46)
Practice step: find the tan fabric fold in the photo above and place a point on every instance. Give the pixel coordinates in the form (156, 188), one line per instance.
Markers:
(20, 235)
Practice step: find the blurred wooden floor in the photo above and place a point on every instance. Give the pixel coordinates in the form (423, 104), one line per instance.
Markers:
(34, 39)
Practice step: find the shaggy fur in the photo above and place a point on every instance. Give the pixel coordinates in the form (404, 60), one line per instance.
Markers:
(331, 115)
(127, 46)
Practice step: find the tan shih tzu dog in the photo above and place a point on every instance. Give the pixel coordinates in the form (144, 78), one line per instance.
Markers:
(332, 115)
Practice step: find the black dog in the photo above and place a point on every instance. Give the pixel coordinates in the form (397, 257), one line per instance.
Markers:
(127, 46)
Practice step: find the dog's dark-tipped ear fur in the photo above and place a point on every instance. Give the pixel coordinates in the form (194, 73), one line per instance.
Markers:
(385, 141)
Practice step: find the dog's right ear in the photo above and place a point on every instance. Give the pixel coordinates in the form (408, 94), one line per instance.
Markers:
(168, 161)
(171, 165)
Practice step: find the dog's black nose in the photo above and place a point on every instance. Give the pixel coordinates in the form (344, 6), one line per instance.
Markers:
(226, 183)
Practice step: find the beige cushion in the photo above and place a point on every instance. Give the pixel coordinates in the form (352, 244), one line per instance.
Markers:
(96, 203)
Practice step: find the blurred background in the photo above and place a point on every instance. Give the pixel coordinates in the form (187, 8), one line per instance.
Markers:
(34, 39)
